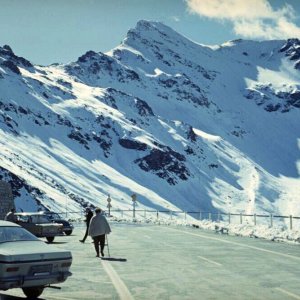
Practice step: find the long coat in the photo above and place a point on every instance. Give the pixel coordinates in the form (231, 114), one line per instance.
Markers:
(99, 225)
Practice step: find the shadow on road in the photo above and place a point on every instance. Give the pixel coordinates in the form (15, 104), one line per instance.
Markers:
(8, 297)
(56, 243)
(114, 259)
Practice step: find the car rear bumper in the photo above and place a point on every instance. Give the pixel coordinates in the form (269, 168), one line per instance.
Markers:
(33, 280)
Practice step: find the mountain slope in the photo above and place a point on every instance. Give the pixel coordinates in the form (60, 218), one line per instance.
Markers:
(181, 124)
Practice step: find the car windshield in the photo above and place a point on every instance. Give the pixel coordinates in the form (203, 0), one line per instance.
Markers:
(13, 234)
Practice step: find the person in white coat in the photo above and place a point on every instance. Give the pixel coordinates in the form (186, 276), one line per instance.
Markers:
(99, 227)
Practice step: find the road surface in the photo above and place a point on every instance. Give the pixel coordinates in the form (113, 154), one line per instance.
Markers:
(169, 262)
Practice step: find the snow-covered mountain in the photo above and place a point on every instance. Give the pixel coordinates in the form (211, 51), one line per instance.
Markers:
(182, 125)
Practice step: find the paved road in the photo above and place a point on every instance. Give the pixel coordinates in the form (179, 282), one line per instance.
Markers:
(161, 262)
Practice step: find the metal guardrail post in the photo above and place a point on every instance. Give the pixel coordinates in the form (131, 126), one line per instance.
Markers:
(210, 215)
(185, 215)
(271, 220)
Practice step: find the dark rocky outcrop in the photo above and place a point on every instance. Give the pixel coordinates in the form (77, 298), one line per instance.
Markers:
(132, 144)
(11, 66)
(166, 164)
(7, 53)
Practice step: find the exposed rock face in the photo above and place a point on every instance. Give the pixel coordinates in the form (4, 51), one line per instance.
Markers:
(274, 100)
(166, 164)
(7, 53)
(134, 145)
(19, 187)
(292, 50)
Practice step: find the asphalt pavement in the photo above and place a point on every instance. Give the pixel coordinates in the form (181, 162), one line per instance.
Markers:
(176, 262)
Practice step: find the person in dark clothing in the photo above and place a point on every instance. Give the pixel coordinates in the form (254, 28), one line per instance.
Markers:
(10, 216)
(88, 217)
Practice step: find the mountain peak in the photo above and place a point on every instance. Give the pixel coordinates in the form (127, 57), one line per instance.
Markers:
(152, 31)
(8, 57)
(145, 25)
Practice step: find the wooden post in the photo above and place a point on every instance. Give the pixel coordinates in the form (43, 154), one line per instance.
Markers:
(254, 219)
(241, 218)
(291, 222)
(229, 218)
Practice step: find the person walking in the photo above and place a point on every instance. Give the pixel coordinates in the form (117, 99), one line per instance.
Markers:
(99, 227)
(88, 217)
(10, 216)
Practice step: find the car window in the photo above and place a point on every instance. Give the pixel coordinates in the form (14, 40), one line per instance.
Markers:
(38, 219)
(53, 216)
(56, 216)
(23, 218)
(13, 234)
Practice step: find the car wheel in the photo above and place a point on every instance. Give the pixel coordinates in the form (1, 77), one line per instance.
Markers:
(33, 292)
(68, 232)
(50, 239)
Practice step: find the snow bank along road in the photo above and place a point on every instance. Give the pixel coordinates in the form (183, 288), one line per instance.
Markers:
(161, 262)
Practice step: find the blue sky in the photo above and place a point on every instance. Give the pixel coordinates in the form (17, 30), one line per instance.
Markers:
(48, 31)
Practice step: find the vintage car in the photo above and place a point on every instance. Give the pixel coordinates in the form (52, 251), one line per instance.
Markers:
(57, 218)
(27, 262)
(39, 225)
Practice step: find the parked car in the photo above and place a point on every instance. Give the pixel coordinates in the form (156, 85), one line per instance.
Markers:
(28, 263)
(39, 225)
(57, 218)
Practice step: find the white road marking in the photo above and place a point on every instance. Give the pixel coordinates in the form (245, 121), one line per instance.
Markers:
(209, 260)
(288, 293)
(119, 285)
(237, 244)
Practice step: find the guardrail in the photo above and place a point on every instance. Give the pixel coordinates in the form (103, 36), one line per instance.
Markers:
(231, 218)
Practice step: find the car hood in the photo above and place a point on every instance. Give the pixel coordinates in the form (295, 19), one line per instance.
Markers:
(29, 251)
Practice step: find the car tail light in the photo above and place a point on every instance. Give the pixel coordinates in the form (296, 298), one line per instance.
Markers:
(12, 269)
(66, 264)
